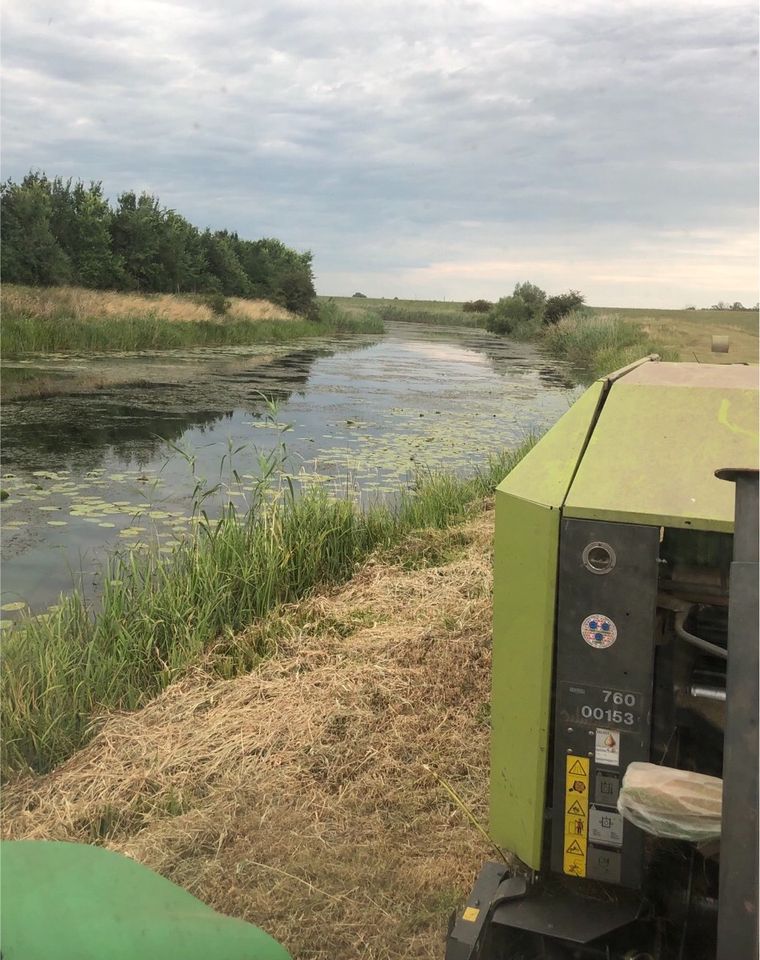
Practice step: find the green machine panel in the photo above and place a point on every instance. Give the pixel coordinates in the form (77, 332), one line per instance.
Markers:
(528, 505)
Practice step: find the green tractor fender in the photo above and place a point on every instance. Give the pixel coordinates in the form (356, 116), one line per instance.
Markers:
(79, 902)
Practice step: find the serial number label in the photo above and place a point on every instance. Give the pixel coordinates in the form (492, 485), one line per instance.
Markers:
(590, 705)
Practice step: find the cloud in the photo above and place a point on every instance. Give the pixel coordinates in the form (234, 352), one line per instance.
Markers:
(439, 148)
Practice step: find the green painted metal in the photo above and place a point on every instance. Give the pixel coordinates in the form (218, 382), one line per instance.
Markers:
(640, 446)
(78, 902)
(528, 505)
(663, 432)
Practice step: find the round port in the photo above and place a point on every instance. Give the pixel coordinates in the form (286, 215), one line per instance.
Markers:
(599, 557)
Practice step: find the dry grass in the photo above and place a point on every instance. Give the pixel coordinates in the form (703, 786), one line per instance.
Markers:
(81, 304)
(300, 796)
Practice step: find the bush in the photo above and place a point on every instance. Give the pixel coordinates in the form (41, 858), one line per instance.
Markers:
(477, 306)
(217, 303)
(362, 295)
(560, 306)
(509, 313)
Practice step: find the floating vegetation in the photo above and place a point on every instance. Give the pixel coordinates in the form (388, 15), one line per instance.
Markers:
(158, 613)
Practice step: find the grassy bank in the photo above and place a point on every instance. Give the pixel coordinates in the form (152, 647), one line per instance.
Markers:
(312, 785)
(157, 616)
(598, 340)
(598, 344)
(65, 319)
(439, 312)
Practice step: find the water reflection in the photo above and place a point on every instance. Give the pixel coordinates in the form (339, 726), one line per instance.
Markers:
(87, 473)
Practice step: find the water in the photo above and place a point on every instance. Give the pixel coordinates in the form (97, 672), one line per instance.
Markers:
(90, 473)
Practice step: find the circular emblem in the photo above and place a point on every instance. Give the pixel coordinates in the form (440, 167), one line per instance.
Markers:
(598, 631)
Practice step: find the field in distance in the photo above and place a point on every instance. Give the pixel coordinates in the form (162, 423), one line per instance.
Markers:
(687, 331)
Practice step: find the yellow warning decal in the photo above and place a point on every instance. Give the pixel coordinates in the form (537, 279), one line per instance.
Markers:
(576, 816)
(471, 914)
(578, 766)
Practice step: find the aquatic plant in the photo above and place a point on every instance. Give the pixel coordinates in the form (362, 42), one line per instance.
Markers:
(158, 615)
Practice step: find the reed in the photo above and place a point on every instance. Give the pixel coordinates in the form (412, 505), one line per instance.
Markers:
(157, 616)
(65, 319)
(598, 344)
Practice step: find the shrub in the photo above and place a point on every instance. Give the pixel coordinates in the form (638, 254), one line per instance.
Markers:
(217, 303)
(477, 306)
(509, 313)
(560, 306)
(362, 295)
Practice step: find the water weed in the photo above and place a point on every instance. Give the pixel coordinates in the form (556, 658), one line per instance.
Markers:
(158, 614)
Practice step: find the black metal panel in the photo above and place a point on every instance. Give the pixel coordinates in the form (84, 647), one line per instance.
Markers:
(556, 913)
(738, 910)
(603, 693)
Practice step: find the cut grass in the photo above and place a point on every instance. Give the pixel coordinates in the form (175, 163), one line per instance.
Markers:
(156, 617)
(64, 319)
(313, 785)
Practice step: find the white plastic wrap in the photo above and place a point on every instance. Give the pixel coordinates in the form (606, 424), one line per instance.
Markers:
(672, 803)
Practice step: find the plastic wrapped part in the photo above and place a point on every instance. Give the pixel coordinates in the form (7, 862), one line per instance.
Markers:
(666, 802)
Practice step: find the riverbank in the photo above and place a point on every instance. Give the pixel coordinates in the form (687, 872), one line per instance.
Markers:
(598, 340)
(158, 615)
(312, 786)
(44, 320)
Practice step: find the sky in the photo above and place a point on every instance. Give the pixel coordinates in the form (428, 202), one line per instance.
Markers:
(432, 150)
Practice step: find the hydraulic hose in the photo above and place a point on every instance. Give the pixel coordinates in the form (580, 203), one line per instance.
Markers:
(712, 648)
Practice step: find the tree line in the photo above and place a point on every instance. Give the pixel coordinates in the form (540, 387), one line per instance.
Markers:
(66, 232)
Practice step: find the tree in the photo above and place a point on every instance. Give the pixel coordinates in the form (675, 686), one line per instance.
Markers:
(508, 314)
(533, 296)
(29, 251)
(62, 231)
(135, 237)
(561, 305)
(225, 271)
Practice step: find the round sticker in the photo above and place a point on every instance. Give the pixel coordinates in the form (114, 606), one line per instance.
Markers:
(599, 631)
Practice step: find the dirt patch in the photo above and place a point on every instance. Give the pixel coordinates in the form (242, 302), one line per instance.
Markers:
(306, 796)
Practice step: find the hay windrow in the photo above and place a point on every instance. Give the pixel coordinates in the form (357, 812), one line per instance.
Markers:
(300, 796)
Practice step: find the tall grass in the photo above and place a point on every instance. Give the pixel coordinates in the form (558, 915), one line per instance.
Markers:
(157, 616)
(56, 321)
(441, 318)
(595, 345)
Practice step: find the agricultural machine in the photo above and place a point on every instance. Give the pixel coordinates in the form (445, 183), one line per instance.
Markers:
(624, 757)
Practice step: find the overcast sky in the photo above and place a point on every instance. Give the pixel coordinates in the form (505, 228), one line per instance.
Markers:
(439, 149)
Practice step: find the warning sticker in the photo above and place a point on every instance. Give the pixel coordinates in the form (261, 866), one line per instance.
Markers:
(577, 766)
(576, 816)
(575, 826)
(607, 747)
(574, 866)
(471, 914)
(599, 631)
